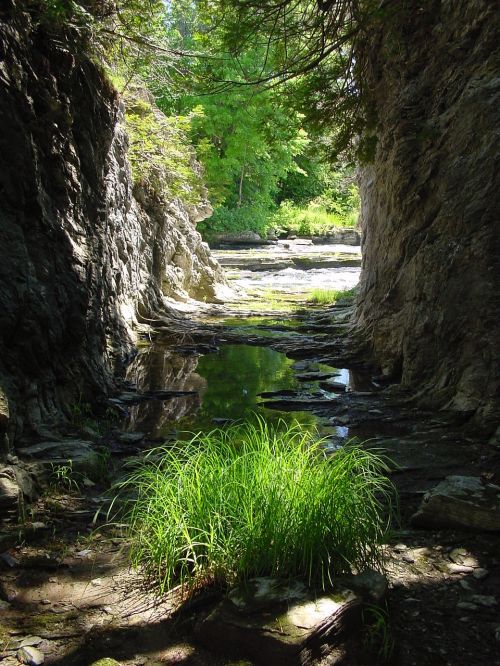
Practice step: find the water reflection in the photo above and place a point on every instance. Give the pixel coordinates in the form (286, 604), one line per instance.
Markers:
(235, 377)
(159, 368)
(227, 383)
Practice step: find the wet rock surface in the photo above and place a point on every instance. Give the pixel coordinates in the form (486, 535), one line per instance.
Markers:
(290, 254)
(444, 583)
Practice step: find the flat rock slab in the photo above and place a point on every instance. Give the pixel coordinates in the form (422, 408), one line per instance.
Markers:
(133, 398)
(297, 404)
(280, 622)
(334, 386)
(460, 501)
(80, 452)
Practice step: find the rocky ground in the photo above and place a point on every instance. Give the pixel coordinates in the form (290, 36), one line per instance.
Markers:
(68, 596)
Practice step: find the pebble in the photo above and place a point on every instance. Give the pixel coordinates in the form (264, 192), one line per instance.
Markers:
(408, 559)
(31, 656)
(400, 548)
(459, 568)
(480, 573)
(45, 602)
(461, 556)
(83, 553)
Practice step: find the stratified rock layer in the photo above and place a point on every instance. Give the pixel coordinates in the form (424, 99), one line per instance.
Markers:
(429, 304)
(82, 254)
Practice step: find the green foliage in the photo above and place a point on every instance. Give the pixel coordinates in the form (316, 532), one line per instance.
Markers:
(246, 138)
(250, 139)
(128, 34)
(252, 500)
(64, 476)
(377, 632)
(247, 218)
(315, 55)
(160, 154)
(310, 221)
(331, 296)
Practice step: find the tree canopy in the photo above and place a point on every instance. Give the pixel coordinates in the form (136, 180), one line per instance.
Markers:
(268, 89)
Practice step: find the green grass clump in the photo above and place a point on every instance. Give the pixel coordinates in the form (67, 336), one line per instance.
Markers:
(256, 499)
(330, 296)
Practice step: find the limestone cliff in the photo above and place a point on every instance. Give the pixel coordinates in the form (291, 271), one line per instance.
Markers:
(429, 304)
(82, 255)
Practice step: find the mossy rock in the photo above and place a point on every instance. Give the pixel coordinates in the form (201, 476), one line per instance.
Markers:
(106, 661)
(285, 623)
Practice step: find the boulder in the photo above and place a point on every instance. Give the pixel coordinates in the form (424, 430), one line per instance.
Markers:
(10, 493)
(31, 656)
(242, 238)
(460, 501)
(275, 621)
(342, 235)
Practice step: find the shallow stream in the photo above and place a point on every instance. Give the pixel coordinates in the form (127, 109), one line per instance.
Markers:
(225, 385)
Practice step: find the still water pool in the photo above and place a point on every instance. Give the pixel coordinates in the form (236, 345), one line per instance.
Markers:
(226, 385)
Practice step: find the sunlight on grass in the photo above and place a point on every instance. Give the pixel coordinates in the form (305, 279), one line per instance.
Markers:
(330, 296)
(269, 300)
(256, 499)
(311, 220)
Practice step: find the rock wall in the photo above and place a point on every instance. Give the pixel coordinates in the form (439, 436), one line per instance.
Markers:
(429, 304)
(82, 255)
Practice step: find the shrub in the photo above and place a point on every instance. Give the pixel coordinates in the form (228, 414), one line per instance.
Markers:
(256, 499)
(235, 220)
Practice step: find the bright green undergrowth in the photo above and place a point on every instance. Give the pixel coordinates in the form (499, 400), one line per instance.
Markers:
(311, 220)
(331, 296)
(256, 499)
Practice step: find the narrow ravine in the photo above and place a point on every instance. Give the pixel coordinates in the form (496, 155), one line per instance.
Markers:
(67, 587)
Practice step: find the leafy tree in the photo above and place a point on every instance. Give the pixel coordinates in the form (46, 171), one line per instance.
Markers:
(245, 136)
